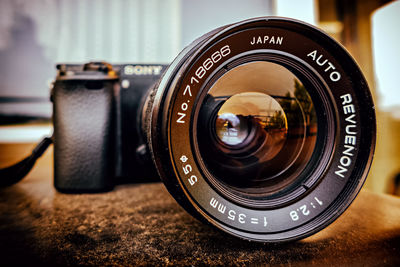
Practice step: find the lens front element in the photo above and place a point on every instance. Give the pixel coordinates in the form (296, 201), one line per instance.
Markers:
(257, 129)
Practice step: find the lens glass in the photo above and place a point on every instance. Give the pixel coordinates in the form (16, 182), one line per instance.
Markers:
(257, 128)
(244, 115)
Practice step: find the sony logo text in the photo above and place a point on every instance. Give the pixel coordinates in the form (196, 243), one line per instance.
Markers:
(142, 70)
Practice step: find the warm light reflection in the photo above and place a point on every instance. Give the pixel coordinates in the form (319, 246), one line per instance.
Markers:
(238, 114)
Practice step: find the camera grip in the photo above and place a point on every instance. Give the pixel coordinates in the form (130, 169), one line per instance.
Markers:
(84, 137)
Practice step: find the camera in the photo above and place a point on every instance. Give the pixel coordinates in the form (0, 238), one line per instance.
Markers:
(264, 128)
(98, 140)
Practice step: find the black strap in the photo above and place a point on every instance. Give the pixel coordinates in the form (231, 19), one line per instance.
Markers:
(16, 172)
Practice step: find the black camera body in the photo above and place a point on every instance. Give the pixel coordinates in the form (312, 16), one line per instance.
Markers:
(97, 116)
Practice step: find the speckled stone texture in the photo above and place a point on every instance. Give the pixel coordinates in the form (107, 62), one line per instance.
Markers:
(143, 225)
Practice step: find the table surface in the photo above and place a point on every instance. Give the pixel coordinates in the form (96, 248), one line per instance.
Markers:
(141, 224)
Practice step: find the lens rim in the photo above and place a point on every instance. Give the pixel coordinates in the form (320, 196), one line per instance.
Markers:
(164, 141)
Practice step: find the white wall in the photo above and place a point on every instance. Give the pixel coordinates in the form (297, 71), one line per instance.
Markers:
(386, 54)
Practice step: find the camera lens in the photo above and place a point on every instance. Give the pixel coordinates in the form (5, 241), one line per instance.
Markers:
(264, 128)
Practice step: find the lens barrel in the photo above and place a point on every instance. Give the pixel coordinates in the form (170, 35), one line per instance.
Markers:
(264, 128)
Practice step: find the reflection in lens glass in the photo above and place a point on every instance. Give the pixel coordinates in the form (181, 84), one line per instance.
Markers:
(243, 114)
(231, 129)
(263, 128)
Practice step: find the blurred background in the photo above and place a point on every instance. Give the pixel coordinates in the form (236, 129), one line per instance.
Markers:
(37, 34)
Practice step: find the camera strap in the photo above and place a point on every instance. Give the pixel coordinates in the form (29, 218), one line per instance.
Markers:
(15, 173)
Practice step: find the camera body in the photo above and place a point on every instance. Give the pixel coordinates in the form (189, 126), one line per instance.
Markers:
(97, 115)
